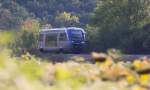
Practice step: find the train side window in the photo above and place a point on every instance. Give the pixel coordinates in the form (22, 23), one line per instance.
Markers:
(62, 37)
(41, 37)
(51, 39)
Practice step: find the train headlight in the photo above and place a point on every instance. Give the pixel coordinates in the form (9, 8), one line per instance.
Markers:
(72, 41)
(83, 42)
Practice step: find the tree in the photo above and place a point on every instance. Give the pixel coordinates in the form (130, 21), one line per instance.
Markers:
(117, 20)
(47, 10)
(27, 37)
(66, 19)
(12, 14)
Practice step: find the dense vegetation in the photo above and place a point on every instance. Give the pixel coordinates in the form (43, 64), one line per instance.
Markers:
(123, 25)
(31, 73)
(57, 13)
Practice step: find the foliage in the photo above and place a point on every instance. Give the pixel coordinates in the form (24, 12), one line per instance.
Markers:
(27, 38)
(30, 73)
(118, 23)
(6, 38)
(66, 19)
(30, 66)
(14, 12)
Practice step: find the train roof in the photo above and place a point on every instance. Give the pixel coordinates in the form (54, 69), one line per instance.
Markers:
(62, 29)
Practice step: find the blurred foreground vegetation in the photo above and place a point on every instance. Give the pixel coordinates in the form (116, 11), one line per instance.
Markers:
(28, 72)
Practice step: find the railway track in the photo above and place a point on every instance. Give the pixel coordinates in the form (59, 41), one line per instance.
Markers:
(87, 57)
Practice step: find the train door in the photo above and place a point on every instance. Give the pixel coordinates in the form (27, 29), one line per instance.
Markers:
(62, 41)
(51, 41)
(41, 41)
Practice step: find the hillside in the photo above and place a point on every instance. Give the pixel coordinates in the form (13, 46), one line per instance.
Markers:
(119, 24)
(53, 12)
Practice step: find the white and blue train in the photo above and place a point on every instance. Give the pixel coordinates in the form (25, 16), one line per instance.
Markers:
(69, 39)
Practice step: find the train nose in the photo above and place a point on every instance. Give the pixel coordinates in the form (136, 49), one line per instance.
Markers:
(77, 46)
(77, 42)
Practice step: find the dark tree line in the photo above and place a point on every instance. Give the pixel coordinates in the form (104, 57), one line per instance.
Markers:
(11, 14)
(122, 24)
(58, 13)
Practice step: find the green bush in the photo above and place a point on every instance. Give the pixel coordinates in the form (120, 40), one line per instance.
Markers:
(27, 37)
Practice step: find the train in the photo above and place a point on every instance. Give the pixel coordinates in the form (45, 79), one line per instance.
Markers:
(70, 39)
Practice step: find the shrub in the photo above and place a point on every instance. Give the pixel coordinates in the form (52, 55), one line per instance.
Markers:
(27, 37)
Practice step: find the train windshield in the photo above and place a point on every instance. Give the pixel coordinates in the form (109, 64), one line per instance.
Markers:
(76, 35)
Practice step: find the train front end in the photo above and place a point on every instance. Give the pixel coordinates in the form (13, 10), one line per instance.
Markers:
(77, 39)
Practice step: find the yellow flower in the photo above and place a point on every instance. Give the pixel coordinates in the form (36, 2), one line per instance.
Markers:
(131, 79)
(62, 72)
(137, 64)
(144, 79)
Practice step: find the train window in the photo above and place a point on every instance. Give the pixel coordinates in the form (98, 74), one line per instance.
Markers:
(76, 35)
(51, 40)
(62, 37)
(41, 37)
